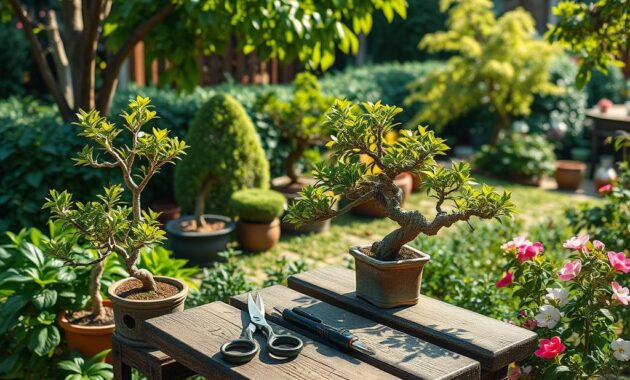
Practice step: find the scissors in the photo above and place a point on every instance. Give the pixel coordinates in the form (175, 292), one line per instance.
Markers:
(244, 348)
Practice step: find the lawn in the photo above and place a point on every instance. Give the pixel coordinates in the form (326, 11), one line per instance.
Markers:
(534, 205)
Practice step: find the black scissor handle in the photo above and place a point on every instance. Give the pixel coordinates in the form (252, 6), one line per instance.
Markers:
(285, 346)
(239, 350)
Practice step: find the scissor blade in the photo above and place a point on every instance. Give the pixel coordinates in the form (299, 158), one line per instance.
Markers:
(260, 304)
(252, 308)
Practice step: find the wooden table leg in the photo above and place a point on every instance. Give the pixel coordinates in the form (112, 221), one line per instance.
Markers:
(122, 371)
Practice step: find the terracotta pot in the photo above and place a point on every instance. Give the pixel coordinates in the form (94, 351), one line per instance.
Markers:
(88, 340)
(373, 209)
(129, 315)
(417, 182)
(569, 174)
(199, 247)
(168, 210)
(388, 284)
(281, 184)
(256, 237)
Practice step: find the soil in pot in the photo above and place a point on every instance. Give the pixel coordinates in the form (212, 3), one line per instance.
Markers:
(133, 305)
(88, 335)
(256, 236)
(569, 174)
(389, 284)
(199, 247)
(373, 209)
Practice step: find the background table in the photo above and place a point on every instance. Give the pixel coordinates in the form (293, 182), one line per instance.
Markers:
(606, 124)
(431, 340)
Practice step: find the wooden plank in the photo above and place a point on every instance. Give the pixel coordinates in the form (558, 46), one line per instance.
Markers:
(193, 337)
(493, 343)
(396, 352)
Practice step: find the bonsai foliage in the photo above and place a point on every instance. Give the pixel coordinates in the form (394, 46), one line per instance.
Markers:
(362, 130)
(258, 205)
(596, 31)
(497, 63)
(109, 225)
(226, 155)
(300, 119)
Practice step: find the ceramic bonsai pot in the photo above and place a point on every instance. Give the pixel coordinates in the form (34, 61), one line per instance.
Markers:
(569, 174)
(373, 209)
(168, 210)
(290, 192)
(130, 314)
(388, 284)
(256, 237)
(88, 340)
(199, 247)
(417, 182)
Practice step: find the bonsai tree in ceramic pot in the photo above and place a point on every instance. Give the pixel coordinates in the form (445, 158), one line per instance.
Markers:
(258, 211)
(389, 271)
(111, 226)
(225, 156)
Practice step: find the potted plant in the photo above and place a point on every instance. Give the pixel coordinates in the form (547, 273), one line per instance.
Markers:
(299, 120)
(569, 174)
(225, 156)
(388, 272)
(110, 226)
(258, 211)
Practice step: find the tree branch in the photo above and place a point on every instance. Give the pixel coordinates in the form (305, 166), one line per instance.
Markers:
(40, 59)
(116, 62)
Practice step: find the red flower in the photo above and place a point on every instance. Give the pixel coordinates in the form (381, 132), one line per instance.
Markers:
(505, 280)
(550, 348)
(605, 189)
(529, 251)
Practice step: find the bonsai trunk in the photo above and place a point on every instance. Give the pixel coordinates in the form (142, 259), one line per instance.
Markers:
(200, 203)
(291, 160)
(95, 289)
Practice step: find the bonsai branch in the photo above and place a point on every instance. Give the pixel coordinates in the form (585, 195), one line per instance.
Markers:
(95, 288)
(292, 158)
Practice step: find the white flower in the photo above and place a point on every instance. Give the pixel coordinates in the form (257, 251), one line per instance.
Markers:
(557, 296)
(621, 349)
(548, 317)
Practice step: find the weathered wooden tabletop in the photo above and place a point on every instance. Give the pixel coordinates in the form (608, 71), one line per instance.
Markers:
(432, 340)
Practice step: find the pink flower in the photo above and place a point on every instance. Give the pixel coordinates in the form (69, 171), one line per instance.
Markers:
(550, 348)
(577, 243)
(515, 243)
(515, 372)
(529, 324)
(569, 270)
(598, 245)
(19, 25)
(505, 280)
(529, 251)
(605, 189)
(619, 261)
(620, 294)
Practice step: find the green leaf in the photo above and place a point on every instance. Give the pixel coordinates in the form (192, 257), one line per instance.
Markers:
(45, 299)
(43, 339)
(33, 254)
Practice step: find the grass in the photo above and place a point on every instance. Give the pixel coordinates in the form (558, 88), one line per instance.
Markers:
(534, 205)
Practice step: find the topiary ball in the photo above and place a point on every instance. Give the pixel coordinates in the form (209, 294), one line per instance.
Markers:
(257, 205)
(224, 149)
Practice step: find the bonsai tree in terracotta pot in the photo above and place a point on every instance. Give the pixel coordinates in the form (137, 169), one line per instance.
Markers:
(258, 211)
(111, 226)
(225, 156)
(389, 271)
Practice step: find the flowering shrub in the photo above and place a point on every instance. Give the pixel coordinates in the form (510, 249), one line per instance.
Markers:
(574, 308)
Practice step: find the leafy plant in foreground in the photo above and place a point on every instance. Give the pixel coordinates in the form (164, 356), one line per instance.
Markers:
(362, 130)
(93, 368)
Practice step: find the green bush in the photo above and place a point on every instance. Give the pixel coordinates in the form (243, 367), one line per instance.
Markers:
(225, 150)
(524, 155)
(611, 86)
(257, 205)
(15, 57)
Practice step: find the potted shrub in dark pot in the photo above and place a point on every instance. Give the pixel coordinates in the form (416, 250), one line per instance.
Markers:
(389, 272)
(299, 120)
(225, 156)
(111, 226)
(258, 211)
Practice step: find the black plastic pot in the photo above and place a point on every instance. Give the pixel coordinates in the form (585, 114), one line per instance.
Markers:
(199, 247)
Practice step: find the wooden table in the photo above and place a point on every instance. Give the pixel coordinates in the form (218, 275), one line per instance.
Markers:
(431, 340)
(606, 124)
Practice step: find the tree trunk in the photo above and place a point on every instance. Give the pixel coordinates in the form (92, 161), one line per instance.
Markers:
(144, 276)
(95, 289)
(504, 123)
(291, 161)
(200, 202)
(60, 58)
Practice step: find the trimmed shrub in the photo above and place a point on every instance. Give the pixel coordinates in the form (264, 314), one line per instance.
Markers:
(517, 154)
(224, 149)
(257, 205)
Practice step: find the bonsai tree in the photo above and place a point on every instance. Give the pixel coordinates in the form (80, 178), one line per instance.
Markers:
(497, 63)
(258, 205)
(361, 130)
(109, 225)
(299, 120)
(226, 155)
